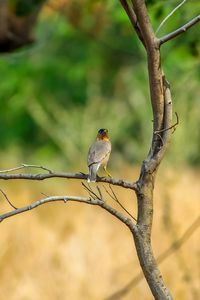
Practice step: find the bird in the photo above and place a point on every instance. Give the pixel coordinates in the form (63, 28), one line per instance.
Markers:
(98, 154)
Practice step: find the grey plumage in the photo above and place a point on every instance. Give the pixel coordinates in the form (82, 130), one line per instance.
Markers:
(98, 155)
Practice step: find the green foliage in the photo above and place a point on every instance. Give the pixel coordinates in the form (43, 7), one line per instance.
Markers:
(79, 77)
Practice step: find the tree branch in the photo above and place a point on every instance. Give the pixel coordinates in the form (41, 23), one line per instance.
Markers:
(154, 159)
(23, 166)
(179, 31)
(114, 197)
(169, 15)
(171, 127)
(132, 17)
(161, 119)
(153, 59)
(51, 174)
(65, 199)
(10, 203)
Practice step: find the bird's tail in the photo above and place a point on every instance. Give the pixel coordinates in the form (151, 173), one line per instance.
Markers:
(92, 173)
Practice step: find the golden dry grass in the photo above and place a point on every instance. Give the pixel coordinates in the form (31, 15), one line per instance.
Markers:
(72, 251)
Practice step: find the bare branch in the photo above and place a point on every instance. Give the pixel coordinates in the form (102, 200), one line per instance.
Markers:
(114, 197)
(154, 159)
(132, 17)
(8, 199)
(66, 199)
(25, 166)
(91, 191)
(100, 197)
(171, 127)
(180, 30)
(40, 202)
(166, 134)
(153, 59)
(82, 176)
(161, 119)
(100, 193)
(169, 15)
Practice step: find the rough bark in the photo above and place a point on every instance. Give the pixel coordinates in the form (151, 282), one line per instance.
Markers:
(162, 112)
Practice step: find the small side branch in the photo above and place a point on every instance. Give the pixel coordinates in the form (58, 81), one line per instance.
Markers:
(23, 166)
(171, 127)
(6, 197)
(179, 31)
(114, 197)
(93, 194)
(169, 15)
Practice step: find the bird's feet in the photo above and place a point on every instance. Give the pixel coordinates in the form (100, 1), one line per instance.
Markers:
(109, 175)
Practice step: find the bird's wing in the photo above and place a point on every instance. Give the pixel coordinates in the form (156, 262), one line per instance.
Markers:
(98, 151)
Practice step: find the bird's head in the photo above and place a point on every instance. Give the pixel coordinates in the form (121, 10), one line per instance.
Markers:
(103, 135)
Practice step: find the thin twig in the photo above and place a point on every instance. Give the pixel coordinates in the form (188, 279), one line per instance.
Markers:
(8, 199)
(25, 166)
(169, 15)
(100, 193)
(44, 194)
(171, 127)
(87, 189)
(38, 167)
(11, 170)
(117, 200)
(90, 191)
(180, 30)
(114, 197)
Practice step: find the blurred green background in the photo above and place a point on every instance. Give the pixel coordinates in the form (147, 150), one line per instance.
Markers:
(87, 70)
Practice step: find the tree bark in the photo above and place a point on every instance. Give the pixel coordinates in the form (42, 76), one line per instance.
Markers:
(162, 112)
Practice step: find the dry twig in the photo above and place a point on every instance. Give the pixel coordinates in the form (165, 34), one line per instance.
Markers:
(169, 15)
(8, 199)
(25, 166)
(114, 197)
(170, 127)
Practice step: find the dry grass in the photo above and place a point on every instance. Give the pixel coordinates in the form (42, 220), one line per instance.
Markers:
(74, 252)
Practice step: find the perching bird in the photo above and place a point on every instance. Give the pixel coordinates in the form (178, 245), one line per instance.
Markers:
(98, 154)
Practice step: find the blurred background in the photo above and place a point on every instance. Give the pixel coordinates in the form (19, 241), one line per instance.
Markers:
(67, 69)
